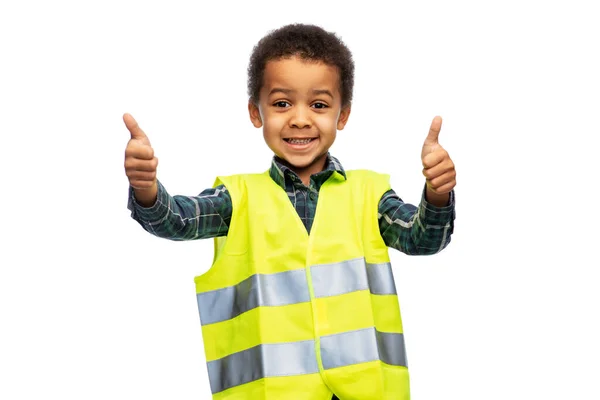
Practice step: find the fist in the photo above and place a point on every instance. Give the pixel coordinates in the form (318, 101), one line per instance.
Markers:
(140, 163)
(438, 168)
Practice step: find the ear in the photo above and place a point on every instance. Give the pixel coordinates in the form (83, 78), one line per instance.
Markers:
(343, 118)
(254, 114)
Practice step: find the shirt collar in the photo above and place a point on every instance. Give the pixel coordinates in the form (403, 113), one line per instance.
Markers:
(281, 173)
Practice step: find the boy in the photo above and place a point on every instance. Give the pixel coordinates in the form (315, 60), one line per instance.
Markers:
(300, 301)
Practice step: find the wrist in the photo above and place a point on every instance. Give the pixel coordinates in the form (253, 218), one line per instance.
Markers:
(437, 199)
(146, 197)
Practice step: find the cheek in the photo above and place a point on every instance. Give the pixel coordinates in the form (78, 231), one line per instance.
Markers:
(327, 123)
(272, 128)
(273, 122)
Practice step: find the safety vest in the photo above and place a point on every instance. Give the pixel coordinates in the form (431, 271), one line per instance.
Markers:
(290, 316)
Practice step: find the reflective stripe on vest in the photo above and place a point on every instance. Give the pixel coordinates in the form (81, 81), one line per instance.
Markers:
(291, 287)
(262, 361)
(286, 359)
(362, 346)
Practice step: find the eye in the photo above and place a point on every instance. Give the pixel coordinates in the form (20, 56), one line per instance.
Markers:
(320, 105)
(282, 104)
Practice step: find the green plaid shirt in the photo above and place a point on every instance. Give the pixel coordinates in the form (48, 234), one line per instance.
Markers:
(412, 230)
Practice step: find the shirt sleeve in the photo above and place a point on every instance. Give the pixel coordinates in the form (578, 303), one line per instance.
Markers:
(185, 217)
(422, 230)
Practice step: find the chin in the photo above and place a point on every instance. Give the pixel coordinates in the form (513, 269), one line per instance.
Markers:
(302, 161)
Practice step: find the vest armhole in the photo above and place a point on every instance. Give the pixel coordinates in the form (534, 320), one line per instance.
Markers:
(237, 186)
(376, 185)
(233, 184)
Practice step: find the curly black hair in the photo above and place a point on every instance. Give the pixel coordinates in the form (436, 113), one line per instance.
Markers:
(308, 42)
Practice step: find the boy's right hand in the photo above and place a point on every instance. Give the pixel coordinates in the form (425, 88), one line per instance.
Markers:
(140, 164)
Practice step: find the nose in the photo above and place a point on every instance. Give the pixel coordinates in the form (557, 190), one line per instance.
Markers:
(300, 118)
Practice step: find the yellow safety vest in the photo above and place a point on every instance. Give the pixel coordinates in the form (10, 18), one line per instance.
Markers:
(290, 316)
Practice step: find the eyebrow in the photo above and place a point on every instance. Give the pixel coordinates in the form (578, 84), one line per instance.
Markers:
(280, 90)
(290, 91)
(323, 91)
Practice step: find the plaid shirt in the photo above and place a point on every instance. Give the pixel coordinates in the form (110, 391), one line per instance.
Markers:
(412, 230)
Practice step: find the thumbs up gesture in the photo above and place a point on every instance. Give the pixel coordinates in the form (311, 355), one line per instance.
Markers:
(140, 163)
(438, 168)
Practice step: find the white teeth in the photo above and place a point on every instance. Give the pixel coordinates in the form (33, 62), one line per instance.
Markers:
(299, 141)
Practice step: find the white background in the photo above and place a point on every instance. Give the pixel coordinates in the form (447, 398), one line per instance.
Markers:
(93, 307)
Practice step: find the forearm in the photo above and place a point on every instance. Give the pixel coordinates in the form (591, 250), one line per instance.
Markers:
(184, 217)
(422, 230)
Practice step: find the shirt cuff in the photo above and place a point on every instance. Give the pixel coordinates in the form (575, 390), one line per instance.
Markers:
(434, 215)
(153, 213)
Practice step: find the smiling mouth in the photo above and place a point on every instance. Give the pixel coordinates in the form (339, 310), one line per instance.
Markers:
(299, 141)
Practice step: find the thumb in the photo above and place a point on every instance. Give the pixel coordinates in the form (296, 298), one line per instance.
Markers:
(434, 131)
(133, 127)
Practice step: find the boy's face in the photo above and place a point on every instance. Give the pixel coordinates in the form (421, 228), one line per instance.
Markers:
(300, 110)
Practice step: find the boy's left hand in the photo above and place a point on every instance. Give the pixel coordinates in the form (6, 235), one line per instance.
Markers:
(438, 168)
